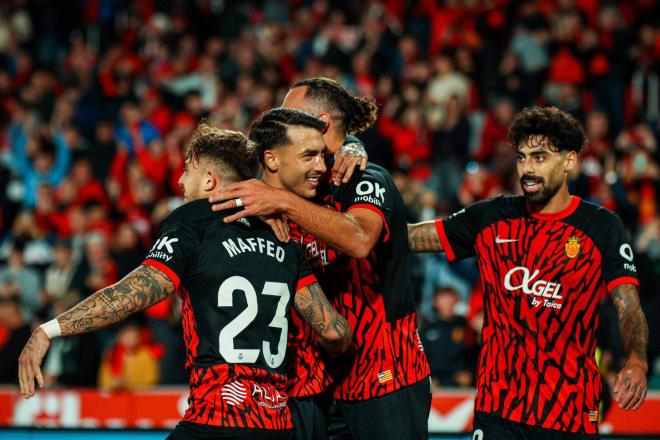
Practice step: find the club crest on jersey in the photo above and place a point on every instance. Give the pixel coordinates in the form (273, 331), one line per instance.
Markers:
(572, 247)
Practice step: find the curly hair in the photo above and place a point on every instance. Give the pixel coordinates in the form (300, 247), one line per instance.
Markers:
(354, 113)
(270, 129)
(231, 152)
(562, 130)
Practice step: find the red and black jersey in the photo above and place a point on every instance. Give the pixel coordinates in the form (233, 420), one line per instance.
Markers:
(236, 281)
(307, 369)
(543, 276)
(375, 295)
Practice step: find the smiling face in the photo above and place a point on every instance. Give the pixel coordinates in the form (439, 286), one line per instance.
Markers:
(299, 165)
(542, 169)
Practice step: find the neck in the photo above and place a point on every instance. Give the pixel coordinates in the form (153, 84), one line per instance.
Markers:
(271, 179)
(558, 202)
(335, 141)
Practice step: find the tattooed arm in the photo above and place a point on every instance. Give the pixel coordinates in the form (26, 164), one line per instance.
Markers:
(423, 237)
(630, 383)
(335, 334)
(140, 289)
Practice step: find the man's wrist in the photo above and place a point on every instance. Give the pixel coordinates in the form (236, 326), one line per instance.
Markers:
(51, 328)
(634, 360)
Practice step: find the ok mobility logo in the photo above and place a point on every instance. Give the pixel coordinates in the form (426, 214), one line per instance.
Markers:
(157, 249)
(370, 192)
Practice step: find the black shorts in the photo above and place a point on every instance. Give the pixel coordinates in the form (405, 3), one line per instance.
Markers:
(491, 427)
(194, 431)
(403, 414)
(309, 416)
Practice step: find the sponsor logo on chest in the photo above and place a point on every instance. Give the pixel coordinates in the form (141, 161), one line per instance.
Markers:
(544, 293)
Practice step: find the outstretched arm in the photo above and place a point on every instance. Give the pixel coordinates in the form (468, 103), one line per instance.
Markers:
(630, 385)
(423, 237)
(335, 333)
(138, 290)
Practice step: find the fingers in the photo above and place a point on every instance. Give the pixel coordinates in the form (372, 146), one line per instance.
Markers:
(230, 204)
(630, 389)
(616, 387)
(345, 167)
(22, 383)
(640, 395)
(363, 164)
(40, 377)
(240, 214)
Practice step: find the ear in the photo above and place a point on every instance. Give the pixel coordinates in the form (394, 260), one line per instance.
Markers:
(327, 119)
(271, 161)
(571, 161)
(210, 181)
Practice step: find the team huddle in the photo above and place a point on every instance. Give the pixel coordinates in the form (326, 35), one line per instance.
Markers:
(298, 311)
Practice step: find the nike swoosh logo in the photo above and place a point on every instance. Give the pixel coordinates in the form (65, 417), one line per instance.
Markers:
(499, 240)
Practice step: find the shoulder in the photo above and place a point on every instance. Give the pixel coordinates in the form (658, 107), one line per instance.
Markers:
(195, 217)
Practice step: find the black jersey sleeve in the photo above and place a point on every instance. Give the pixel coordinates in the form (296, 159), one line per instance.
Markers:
(305, 275)
(370, 190)
(174, 251)
(618, 260)
(459, 231)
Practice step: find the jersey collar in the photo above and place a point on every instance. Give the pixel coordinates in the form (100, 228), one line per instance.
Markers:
(570, 209)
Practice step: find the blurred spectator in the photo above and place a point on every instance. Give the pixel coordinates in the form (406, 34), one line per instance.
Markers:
(16, 331)
(444, 339)
(130, 363)
(72, 361)
(21, 282)
(60, 273)
(97, 269)
(38, 159)
(134, 131)
(446, 84)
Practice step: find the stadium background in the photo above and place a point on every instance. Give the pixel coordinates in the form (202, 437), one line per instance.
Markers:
(98, 98)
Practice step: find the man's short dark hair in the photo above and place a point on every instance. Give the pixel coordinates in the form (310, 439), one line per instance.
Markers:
(561, 129)
(353, 114)
(270, 130)
(231, 152)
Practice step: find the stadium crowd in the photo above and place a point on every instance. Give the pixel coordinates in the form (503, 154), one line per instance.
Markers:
(98, 99)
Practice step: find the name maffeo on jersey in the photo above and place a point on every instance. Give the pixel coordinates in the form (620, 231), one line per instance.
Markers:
(253, 244)
(546, 293)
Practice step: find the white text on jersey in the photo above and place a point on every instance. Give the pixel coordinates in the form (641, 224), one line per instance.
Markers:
(253, 244)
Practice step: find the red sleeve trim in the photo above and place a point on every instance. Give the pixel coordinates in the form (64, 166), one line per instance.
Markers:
(377, 211)
(305, 281)
(166, 270)
(623, 280)
(444, 241)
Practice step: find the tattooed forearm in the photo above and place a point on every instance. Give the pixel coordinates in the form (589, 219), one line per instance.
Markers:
(335, 333)
(423, 237)
(632, 323)
(138, 290)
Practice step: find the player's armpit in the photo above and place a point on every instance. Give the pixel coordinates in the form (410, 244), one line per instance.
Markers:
(335, 333)
(143, 287)
(630, 385)
(423, 237)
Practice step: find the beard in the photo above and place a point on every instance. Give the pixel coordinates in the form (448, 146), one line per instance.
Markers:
(543, 195)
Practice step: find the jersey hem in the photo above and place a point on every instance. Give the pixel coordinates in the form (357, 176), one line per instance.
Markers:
(166, 270)
(444, 240)
(621, 280)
